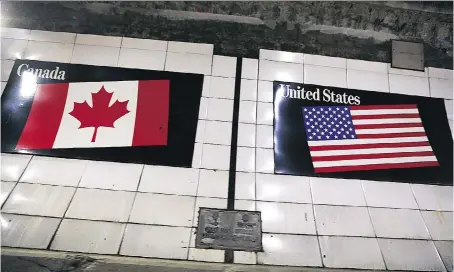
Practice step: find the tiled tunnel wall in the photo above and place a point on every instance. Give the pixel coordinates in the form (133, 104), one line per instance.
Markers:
(151, 211)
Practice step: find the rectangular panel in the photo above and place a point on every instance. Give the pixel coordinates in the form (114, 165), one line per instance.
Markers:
(101, 113)
(344, 133)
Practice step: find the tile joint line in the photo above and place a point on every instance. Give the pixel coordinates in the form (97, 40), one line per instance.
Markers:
(228, 257)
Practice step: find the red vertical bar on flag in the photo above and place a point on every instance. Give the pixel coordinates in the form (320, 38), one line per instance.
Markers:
(152, 116)
(45, 116)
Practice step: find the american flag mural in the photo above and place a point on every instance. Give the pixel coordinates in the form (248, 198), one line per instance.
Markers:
(357, 138)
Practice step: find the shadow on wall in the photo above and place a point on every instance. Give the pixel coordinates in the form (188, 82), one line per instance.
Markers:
(361, 30)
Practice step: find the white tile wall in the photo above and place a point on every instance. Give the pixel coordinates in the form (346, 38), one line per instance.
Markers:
(265, 113)
(389, 194)
(49, 36)
(439, 224)
(169, 180)
(220, 109)
(95, 55)
(281, 56)
(88, 39)
(248, 90)
(343, 221)
(49, 51)
(272, 70)
(222, 87)
(351, 252)
(245, 159)
(265, 138)
(188, 63)
(264, 160)
(217, 133)
(441, 88)
(432, 197)
(246, 135)
(366, 80)
(249, 68)
(14, 33)
(6, 67)
(13, 49)
(445, 250)
(36, 199)
(287, 217)
(88, 236)
(398, 223)
(216, 157)
(319, 75)
(325, 61)
(285, 201)
(27, 231)
(54, 171)
(265, 91)
(283, 188)
(111, 175)
(169, 210)
(440, 73)
(224, 66)
(371, 66)
(248, 112)
(245, 186)
(185, 47)
(144, 44)
(142, 59)
(95, 204)
(13, 166)
(411, 85)
(410, 255)
(213, 183)
(293, 250)
(5, 190)
(337, 192)
(155, 241)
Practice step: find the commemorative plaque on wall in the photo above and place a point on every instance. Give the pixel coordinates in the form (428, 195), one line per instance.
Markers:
(343, 133)
(100, 113)
(224, 229)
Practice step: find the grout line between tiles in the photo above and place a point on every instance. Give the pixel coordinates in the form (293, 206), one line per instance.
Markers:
(130, 209)
(315, 224)
(17, 182)
(373, 225)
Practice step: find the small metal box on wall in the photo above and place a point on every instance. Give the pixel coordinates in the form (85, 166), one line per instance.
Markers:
(407, 55)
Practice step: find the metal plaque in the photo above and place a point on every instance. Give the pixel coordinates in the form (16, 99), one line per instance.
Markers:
(222, 229)
(407, 55)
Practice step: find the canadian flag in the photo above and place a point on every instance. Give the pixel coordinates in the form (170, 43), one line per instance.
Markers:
(97, 114)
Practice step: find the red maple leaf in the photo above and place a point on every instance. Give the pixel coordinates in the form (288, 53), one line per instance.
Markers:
(101, 115)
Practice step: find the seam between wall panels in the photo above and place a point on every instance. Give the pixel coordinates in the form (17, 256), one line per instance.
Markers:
(17, 182)
(315, 224)
(373, 227)
(229, 254)
(130, 209)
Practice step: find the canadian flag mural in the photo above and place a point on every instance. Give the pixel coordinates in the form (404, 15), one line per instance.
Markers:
(97, 114)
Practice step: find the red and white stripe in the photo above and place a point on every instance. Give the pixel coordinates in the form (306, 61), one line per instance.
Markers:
(389, 136)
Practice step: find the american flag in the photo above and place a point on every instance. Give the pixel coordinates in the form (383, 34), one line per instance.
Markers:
(356, 138)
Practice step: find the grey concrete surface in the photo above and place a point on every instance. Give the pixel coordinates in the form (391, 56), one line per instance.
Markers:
(21, 260)
(357, 30)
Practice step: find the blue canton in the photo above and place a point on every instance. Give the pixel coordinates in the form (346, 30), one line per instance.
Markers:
(323, 123)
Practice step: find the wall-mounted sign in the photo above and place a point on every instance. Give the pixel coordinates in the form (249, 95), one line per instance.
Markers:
(341, 133)
(222, 229)
(101, 113)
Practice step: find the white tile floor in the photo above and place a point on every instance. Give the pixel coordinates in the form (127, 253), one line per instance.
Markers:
(151, 211)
